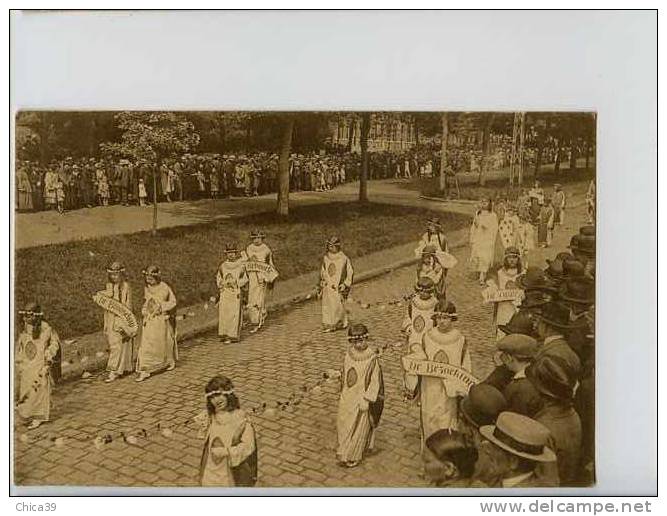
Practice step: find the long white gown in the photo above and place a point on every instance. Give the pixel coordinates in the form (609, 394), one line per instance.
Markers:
(257, 282)
(483, 240)
(231, 278)
(439, 409)
(33, 356)
(336, 271)
(120, 346)
(361, 383)
(158, 349)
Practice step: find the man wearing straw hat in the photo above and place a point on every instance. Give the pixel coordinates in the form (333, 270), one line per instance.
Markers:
(521, 446)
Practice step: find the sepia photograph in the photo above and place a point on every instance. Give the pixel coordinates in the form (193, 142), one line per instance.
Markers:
(300, 253)
(305, 299)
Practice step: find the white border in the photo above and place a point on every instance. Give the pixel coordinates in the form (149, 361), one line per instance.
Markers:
(603, 61)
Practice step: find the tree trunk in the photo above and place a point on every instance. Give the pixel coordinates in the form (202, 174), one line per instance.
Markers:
(156, 168)
(444, 184)
(363, 180)
(588, 152)
(350, 138)
(557, 164)
(283, 166)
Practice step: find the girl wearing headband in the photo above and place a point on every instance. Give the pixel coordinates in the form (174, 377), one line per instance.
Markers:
(120, 345)
(37, 348)
(158, 349)
(229, 458)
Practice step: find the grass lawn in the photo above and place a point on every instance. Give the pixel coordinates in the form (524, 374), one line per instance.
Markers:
(63, 277)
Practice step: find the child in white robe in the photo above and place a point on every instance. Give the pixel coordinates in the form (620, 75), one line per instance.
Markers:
(120, 344)
(259, 282)
(361, 399)
(334, 287)
(229, 458)
(231, 280)
(37, 346)
(418, 317)
(158, 350)
(506, 279)
(446, 344)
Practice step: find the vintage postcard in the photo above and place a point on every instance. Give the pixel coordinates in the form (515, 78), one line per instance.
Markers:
(304, 299)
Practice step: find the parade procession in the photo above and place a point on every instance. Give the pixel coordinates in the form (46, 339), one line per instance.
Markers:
(421, 337)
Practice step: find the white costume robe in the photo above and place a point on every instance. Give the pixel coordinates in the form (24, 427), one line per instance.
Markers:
(234, 432)
(439, 410)
(257, 283)
(336, 274)
(483, 240)
(504, 310)
(231, 278)
(158, 349)
(418, 319)
(33, 357)
(120, 346)
(360, 405)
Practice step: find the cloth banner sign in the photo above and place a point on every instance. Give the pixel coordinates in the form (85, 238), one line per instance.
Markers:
(492, 295)
(127, 321)
(457, 380)
(265, 269)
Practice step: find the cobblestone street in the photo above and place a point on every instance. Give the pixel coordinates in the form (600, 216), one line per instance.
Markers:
(296, 445)
(287, 358)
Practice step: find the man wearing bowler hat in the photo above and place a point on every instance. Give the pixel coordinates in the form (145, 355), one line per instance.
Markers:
(579, 295)
(553, 321)
(521, 443)
(556, 382)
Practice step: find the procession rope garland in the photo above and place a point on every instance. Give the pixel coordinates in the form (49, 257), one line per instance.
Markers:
(263, 408)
